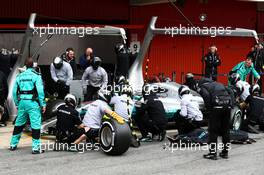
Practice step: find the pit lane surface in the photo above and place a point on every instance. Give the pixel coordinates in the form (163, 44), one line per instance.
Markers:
(150, 158)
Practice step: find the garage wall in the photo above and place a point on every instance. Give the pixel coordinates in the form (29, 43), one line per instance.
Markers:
(78, 9)
(11, 40)
(260, 18)
(103, 47)
(184, 53)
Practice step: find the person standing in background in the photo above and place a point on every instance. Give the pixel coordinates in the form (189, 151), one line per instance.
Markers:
(86, 59)
(62, 75)
(69, 57)
(3, 97)
(122, 60)
(259, 62)
(212, 61)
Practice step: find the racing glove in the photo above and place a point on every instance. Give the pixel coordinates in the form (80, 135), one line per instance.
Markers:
(117, 117)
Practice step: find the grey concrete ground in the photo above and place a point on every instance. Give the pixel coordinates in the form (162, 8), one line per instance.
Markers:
(150, 158)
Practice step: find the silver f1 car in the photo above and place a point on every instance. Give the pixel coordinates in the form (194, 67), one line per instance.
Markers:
(115, 137)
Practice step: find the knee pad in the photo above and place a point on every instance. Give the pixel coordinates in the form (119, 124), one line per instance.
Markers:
(35, 133)
(18, 129)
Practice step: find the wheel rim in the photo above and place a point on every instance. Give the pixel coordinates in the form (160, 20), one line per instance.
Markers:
(237, 120)
(106, 136)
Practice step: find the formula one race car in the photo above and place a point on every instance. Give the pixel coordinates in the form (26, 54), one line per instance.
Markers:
(115, 137)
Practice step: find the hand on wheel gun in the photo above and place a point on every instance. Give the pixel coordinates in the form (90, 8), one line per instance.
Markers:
(114, 115)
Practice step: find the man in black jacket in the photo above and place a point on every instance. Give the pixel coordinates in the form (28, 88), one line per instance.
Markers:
(122, 60)
(69, 125)
(259, 62)
(150, 117)
(218, 101)
(212, 61)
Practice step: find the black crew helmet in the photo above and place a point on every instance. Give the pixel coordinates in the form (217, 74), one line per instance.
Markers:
(183, 90)
(96, 62)
(58, 62)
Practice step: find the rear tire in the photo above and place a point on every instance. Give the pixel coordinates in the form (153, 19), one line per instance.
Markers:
(115, 138)
(236, 118)
(261, 127)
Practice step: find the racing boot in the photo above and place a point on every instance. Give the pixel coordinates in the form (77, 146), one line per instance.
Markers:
(13, 148)
(14, 142)
(162, 135)
(147, 138)
(39, 151)
(224, 154)
(212, 156)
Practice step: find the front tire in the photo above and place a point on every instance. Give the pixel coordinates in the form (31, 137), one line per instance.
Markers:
(115, 138)
(51, 109)
(261, 123)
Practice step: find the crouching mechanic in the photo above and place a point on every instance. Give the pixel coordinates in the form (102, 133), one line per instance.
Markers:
(150, 117)
(94, 114)
(218, 101)
(190, 117)
(247, 102)
(69, 126)
(122, 103)
(242, 89)
(28, 94)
